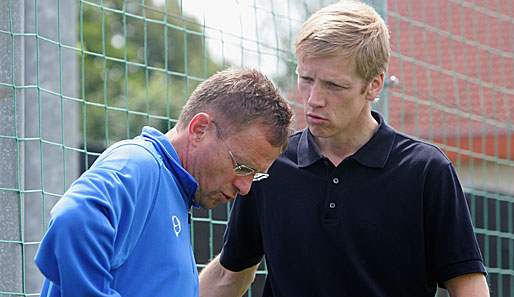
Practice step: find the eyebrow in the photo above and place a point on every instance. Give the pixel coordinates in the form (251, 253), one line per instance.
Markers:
(335, 80)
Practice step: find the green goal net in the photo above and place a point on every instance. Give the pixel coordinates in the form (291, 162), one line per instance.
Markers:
(77, 76)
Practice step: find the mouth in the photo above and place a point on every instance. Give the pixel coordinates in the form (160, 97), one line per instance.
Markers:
(225, 199)
(315, 118)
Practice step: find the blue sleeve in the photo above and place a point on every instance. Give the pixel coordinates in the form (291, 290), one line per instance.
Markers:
(97, 222)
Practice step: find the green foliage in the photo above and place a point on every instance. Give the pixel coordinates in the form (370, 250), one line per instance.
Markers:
(139, 66)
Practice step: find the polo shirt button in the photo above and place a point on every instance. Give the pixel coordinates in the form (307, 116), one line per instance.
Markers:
(332, 205)
(335, 180)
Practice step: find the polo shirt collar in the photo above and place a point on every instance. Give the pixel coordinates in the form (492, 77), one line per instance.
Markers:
(308, 151)
(374, 153)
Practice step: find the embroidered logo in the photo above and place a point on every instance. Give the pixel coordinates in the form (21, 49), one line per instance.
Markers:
(176, 225)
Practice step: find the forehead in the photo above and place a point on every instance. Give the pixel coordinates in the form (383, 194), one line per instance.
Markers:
(332, 66)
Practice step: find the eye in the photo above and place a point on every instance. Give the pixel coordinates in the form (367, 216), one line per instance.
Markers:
(243, 170)
(305, 78)
(335, 86)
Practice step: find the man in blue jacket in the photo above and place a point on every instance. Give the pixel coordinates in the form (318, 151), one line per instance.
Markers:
(122, 228)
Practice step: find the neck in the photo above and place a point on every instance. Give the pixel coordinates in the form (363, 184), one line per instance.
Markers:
(180, 143)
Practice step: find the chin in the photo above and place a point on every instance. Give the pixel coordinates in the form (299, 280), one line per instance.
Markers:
(211, 205)
(208, 203)
(317, 131)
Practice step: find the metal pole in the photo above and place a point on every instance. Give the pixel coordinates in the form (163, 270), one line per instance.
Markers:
(11, 149)
(382, 105)
(52, 117)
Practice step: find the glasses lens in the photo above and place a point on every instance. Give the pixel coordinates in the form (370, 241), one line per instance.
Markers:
(243, 170)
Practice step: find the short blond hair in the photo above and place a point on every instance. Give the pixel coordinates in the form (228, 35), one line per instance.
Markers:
(351, 28)
(239, 98)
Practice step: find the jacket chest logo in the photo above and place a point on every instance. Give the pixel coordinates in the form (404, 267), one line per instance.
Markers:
(176, 225)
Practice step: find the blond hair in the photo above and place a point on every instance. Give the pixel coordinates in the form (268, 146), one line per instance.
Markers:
(351, 28)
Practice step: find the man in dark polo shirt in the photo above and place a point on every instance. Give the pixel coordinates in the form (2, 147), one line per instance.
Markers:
(352, 208)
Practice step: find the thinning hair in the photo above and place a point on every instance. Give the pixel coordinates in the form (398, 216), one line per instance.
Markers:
(239, 98)
(350, 28)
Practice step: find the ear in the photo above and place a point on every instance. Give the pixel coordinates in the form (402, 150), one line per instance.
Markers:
(375, 86)
(198, 127)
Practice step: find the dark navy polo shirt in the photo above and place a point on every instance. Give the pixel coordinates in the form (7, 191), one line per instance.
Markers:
(390, 220)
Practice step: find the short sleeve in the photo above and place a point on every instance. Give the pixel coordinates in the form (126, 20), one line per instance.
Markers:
(452, 248)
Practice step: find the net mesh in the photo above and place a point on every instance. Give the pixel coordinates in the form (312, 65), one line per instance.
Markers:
(77, 76)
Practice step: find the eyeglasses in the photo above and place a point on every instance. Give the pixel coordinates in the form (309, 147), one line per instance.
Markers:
(240, 169)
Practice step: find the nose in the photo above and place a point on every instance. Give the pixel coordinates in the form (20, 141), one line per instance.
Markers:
(243, 184)
(315, 97)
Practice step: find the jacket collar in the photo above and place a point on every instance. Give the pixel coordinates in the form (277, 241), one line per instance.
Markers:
(172, 162)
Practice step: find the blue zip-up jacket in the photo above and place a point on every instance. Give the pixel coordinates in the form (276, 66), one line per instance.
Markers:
(122, 228)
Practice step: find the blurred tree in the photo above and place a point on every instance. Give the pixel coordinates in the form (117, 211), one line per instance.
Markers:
(140, 64)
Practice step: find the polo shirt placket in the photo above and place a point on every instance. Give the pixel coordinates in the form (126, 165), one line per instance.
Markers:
(334, 201)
